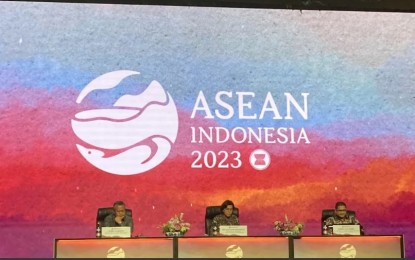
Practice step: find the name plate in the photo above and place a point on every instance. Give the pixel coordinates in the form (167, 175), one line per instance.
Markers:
(116, 231)
(353, 230)
(240, 230)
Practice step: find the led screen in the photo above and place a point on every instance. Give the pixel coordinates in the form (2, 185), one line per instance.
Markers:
(233, 247)
(348, 247)
(114, 248)
(172, 109)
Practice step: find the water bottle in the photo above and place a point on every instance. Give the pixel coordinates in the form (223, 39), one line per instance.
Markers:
(325, 229)
(98, 235)
(330, 230)
(215, 230)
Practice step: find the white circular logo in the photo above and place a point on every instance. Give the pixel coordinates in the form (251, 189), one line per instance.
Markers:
(259, 159)
(115, 252)
(347, 251)
(234, 251)
(135, 135)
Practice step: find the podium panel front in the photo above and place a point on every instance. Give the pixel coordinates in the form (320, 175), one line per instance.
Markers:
(114, 248)
(349, 247)
(233, 247)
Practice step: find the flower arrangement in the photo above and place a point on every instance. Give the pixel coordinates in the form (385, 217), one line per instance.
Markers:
(288, 226)
(175, 224)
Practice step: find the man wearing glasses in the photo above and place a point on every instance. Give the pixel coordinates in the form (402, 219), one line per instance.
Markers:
(340, 218)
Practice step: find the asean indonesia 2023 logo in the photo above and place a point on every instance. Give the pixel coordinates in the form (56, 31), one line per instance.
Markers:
(133, 136)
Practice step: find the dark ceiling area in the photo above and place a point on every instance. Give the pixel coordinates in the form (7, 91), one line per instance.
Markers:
(338, 5)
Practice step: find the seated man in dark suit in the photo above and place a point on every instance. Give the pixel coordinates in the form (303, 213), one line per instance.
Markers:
(340, 217)
(119, 218)
(226, 218)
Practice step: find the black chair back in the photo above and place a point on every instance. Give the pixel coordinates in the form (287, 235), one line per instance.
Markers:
(211, 212)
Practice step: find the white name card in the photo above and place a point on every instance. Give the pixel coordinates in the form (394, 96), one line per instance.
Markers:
(116, 231)
(353, 230)
(239, 230)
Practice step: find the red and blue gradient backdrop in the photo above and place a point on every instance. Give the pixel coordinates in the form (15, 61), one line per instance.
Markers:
(357, 67)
